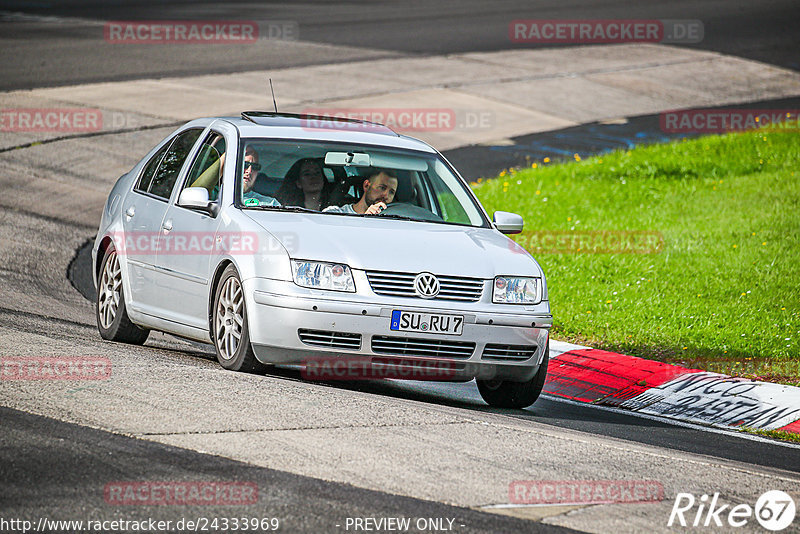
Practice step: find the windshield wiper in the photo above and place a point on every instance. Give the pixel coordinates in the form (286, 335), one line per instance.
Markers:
(299, 209)
(402, 218)
(283, 208)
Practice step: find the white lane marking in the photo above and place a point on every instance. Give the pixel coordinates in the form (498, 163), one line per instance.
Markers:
(560, 347)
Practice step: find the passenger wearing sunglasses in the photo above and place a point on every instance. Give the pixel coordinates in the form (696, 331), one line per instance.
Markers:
(249, 177)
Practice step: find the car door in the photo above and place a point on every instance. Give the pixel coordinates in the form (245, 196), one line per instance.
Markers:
(143, 214)
(188, 239)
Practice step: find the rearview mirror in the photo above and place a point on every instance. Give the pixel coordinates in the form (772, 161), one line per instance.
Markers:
(197, 198)
(356, 159)
(507, 223)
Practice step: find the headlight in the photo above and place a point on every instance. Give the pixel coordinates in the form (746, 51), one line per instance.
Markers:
(514, 290)
(318, 275)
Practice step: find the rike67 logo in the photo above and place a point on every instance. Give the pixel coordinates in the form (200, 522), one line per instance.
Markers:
(774, 510)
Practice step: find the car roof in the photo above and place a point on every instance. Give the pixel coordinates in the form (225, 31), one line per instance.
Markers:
(320, 128)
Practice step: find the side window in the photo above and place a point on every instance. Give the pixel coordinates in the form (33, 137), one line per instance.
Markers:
(150, 169)
(207, 168)
(167, 173)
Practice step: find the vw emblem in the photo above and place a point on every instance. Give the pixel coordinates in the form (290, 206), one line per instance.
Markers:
(426, 285)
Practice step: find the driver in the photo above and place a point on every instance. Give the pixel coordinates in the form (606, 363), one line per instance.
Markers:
(379, 189)
(249, 176)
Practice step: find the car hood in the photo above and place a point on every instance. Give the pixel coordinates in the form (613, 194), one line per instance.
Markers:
(383, 244)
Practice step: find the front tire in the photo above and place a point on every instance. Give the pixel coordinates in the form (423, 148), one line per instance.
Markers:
(110, 311)
(507, 394)
(230, 331)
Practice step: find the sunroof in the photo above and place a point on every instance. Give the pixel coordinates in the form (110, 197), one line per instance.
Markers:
(296, 120)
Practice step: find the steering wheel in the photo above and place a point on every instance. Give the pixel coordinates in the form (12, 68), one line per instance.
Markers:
(404, 209)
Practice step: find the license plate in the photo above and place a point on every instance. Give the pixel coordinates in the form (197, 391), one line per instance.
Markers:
(430, 323)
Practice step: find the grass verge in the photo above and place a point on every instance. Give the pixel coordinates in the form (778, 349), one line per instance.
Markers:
(774, 434)
(687, 252)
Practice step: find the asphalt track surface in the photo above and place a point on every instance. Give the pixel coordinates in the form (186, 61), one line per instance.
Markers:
(764, 30)
(548, 410)
(49, 466)
(45, 458)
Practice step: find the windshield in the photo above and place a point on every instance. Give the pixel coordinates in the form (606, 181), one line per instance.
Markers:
(344, 179)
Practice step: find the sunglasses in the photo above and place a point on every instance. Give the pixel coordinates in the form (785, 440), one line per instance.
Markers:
(256, 166)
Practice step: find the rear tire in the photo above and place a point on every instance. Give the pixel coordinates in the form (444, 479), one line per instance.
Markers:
(507, 394)
(110, 311)
(229, 328)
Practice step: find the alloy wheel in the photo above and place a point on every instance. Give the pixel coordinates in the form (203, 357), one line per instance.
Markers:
(110, 290)
(229, 318)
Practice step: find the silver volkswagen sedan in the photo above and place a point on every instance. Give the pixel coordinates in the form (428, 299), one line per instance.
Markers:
(325, 243)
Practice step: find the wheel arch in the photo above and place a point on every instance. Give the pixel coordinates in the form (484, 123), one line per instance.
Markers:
(213, 291)
(101, 254)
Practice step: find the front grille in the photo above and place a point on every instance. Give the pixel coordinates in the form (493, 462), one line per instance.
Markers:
(434, 348)
(402, 285)
(496, 351)
(328, 339)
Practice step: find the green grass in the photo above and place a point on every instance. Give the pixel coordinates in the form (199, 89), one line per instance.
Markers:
(726, 283)
(775, 434)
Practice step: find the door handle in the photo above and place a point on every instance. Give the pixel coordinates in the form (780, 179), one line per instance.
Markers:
(167, 225)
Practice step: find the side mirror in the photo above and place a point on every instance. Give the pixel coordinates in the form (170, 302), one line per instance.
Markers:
(507, 223)
(197, 198)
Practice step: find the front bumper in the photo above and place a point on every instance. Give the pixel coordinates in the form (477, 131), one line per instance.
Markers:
(494, 342)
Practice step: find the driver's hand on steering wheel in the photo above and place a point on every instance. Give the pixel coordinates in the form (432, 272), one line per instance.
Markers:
(375, 209)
